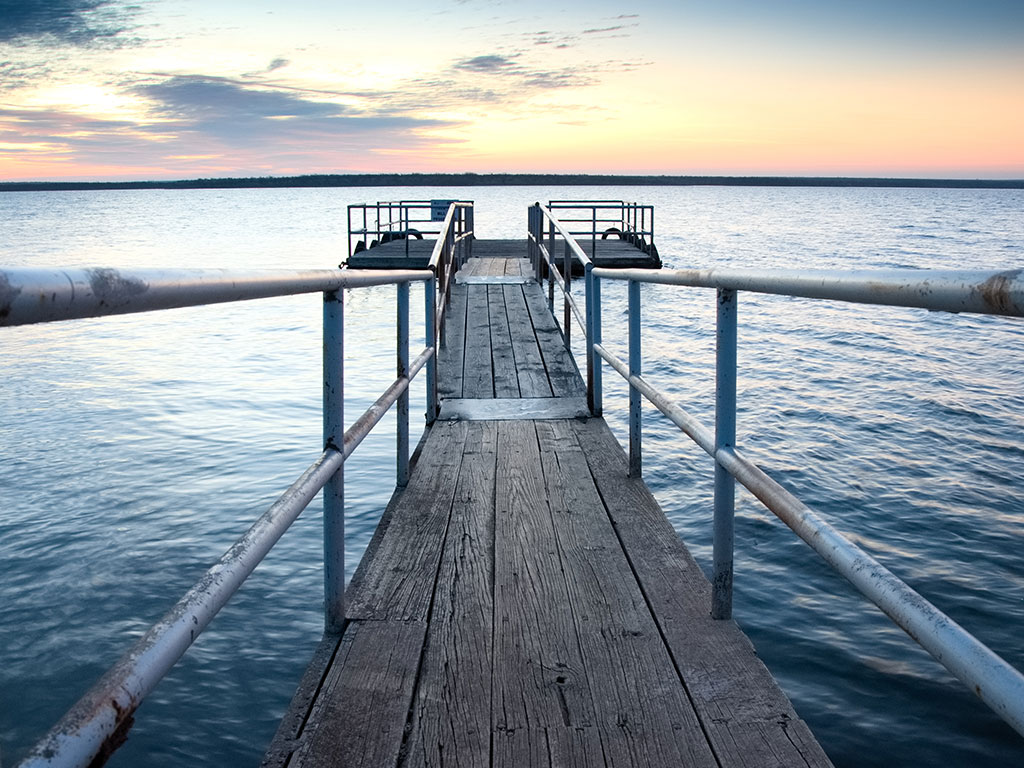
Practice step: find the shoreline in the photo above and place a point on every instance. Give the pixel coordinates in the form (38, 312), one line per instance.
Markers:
(509, 179)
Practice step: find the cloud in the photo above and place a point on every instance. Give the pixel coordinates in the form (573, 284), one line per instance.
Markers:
(278, 64)
(14, 75)
(189, 135)
(519, 78)
(599, 30)
(489, 63)
(237, 113)
(65, 22)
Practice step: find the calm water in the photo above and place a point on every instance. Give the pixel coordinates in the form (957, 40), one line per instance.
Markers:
(136, 449)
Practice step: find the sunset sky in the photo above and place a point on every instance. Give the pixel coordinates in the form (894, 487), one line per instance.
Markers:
(153, 89)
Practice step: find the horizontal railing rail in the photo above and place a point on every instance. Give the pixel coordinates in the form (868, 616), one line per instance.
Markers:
(99, 722)
(632, 222)
(395, 220)
(995, 681)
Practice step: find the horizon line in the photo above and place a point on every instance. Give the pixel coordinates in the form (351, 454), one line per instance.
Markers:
(510, 179)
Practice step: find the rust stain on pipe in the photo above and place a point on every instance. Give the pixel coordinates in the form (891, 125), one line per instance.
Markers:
(996, 292)
(112, 288)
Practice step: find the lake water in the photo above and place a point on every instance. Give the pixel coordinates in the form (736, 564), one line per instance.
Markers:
(134, 450)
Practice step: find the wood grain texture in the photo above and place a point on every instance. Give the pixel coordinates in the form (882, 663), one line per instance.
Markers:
(359, 717)
(533, 376)
(637, 692)
(562, 372)
(539, 676)
(451, 723)
(503, 362)
(477, 374)
(451, 355)
(747, 717)
(399, 583)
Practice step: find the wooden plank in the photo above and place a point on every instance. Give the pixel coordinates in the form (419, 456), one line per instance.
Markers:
(452, 719)
(747, 717)
(506, 379)
(453, 350)
(477, 376)
(554, 747)
(565, 378)
(539, 678)
(399, 583)
(286, 740)
(359, 717)
(533, 377)
(640, 700)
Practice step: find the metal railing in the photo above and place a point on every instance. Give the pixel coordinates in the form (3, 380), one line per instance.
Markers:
(373, 224)
(995, 681)
(601, 219)
(98, 723)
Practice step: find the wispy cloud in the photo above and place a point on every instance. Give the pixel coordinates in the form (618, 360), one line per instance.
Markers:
(65, 22)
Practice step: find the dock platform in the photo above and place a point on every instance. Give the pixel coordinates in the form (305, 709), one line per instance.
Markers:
(414, 254)
(523, 601)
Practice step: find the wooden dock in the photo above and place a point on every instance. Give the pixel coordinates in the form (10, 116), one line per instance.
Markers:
(414, 254)
(523, 602)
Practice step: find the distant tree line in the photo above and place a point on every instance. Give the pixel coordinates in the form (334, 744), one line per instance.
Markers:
(508, 179)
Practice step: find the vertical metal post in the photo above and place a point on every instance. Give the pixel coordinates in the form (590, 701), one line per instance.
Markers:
(594, 298)
(538, 220)
(551, 261)
(635, 436)
(588, 290)
(566, 308)
(334, 437)
(430, 332)
(402, 447)
(551, 279)
(531, 248)
(593, 232)
(471, 224)
(725, 439)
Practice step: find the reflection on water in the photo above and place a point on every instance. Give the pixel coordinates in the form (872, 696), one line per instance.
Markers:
(136, 449)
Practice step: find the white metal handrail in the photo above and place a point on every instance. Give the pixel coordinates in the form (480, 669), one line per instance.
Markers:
(98, 723)
(995, 681)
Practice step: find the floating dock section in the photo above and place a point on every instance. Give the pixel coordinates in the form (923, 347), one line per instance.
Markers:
(399, 235)
(524, 602)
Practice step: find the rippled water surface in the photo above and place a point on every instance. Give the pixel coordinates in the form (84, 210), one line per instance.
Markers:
(136, 449)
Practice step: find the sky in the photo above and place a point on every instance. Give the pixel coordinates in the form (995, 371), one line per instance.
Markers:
(163, 89)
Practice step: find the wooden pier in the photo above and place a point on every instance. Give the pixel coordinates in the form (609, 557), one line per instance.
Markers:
(524, 602)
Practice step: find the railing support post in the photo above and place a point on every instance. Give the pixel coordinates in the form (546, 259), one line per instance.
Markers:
(588, 289)
(594, 300)
(635, 432)
(551, 263)
(725, 440)
(402, 447)
(566, 308)
(430, 334)
(538, 223)
(334, 437)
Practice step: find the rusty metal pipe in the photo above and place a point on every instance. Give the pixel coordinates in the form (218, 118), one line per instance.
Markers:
(989, 293)
(44, 295)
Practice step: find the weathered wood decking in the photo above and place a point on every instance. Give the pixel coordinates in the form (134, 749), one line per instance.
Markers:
(524, 602)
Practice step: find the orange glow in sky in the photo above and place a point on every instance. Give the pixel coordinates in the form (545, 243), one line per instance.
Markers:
(176, 89)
